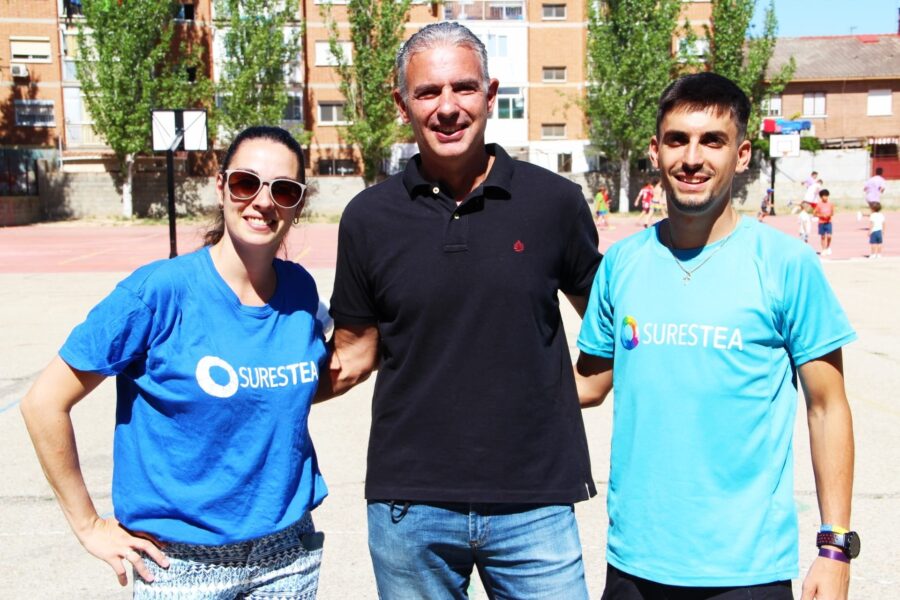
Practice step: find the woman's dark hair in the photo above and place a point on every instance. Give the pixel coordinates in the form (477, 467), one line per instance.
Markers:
(256, 132)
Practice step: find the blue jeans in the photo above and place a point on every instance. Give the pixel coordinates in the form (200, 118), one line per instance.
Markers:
(427, 551)
(283, 565)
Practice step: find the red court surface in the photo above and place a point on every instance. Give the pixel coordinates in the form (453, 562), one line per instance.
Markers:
(84, 247)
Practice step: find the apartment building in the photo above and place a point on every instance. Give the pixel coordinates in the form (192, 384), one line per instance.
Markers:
(536, 50)
(31, 106)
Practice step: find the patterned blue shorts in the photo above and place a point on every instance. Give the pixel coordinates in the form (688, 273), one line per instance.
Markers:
(281, 566)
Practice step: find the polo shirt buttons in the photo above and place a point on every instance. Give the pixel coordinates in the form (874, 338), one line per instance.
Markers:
(436, 190)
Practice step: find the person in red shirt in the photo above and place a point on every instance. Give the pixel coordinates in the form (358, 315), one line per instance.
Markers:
(824, 211)
(645, 201)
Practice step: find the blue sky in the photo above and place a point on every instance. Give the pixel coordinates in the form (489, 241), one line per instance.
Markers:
(833, 17)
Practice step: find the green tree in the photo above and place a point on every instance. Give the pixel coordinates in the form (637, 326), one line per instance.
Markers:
(367, 77)
(129, 64)
(736, 53)
(629, 63)
(262, 46)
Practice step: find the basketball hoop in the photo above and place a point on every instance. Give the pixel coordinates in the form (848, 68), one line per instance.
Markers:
(784, 146)
(178, 129)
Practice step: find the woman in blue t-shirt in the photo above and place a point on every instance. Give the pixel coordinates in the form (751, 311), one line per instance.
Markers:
(216, 355)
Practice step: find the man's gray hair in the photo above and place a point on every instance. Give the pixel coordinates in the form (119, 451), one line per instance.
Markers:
(445, 33)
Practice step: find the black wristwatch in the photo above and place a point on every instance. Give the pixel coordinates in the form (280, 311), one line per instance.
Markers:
(847, 542)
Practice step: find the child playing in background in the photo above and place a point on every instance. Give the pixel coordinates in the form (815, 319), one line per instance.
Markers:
(601, 207)
(824, 211)
(765, 206)
(876, 229)
(805, 220)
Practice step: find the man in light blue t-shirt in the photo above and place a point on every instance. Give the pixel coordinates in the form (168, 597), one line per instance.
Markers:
(703, 325)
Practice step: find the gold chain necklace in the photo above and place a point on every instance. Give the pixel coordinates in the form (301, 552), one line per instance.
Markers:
(689, 273)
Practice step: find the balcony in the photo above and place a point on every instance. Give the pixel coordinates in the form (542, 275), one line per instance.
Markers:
(484, 10)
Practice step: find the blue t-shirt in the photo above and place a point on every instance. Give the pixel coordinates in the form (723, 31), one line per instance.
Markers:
(704, 373)
(211, 440)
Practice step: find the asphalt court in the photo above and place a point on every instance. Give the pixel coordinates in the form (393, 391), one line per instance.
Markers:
(51, 275)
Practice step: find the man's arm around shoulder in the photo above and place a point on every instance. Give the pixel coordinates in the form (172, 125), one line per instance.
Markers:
(353, 355)
(593, 379)
(831, 447)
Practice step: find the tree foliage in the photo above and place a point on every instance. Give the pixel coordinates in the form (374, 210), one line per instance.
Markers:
(367, 78)
(262, 43)
(736, 53)
(629, 62)
(127, 68)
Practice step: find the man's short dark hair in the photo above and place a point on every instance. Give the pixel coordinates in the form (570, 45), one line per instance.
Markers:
(701, 91)
(879, 170)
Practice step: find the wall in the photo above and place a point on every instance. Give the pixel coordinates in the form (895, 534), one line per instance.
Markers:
(66, 195)
(98, 194)
(843, 173)
(19, 210)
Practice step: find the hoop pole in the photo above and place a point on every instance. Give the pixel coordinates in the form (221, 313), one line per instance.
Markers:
(170, 184)
(772, 185)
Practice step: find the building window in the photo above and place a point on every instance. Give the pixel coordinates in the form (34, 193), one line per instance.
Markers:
(499, 11)
(510, 103)
(814, 104)
(771, 107)
(553, 11)
(34, 113)
(497, 46)
(564, 163)
(553, 74)
(336, 166)
(553, 131)
(293, 112)
(878, 103)
(185, 12)
(698, 49)
(29, 49)
(331, 113)
(324, 57)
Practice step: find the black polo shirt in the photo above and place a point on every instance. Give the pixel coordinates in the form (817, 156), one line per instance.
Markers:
(475, 397)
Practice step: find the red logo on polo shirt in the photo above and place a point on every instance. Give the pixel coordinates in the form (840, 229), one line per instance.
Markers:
(519, 246)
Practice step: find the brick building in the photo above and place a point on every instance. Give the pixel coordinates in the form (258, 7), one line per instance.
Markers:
(31, 106)
(848, 87)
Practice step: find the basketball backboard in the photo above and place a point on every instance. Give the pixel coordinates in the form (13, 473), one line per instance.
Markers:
(781, 146)
(191, 122)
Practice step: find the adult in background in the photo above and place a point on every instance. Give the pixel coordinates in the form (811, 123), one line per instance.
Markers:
(447, 282)
(700, 495)
(873, 189)
(216, 356)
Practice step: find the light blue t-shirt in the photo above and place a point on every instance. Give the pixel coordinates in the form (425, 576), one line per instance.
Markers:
(211, 440)
(704, 373)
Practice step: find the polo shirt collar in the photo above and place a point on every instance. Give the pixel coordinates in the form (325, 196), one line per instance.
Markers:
(497, 185)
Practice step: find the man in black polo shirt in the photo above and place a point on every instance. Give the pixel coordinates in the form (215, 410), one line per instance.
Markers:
(447, 282)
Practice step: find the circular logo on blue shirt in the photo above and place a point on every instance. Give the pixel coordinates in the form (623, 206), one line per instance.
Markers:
(630, 333)
(205, 368)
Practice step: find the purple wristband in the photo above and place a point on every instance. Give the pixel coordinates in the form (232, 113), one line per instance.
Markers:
(833, 554)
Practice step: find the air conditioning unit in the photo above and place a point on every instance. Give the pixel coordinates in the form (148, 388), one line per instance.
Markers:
(18, 70)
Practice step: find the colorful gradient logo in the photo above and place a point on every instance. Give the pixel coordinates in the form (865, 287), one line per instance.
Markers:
(630, 333)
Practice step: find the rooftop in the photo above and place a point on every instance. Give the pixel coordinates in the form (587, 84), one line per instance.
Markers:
(839, 57)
